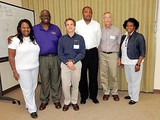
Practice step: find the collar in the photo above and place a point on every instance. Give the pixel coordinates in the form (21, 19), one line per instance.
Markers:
(85, 22)
(130, 34)
(72, 36)
(50, 26)
(109, 28)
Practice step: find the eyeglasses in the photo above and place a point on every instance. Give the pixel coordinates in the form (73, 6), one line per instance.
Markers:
(45, 16)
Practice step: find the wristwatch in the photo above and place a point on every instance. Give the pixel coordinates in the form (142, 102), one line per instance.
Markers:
(138, 65)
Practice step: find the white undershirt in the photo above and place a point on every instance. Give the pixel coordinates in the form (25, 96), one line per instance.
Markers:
(125, 59)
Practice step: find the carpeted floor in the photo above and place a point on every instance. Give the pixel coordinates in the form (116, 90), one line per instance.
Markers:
(148, 108)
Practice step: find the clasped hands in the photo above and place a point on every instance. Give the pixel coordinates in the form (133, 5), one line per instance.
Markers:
(70, 65)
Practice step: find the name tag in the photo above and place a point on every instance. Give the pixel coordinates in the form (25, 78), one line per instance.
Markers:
(76, 46)
(112, 37)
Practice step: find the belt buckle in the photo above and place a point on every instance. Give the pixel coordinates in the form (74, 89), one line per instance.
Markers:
(50, 55)
(109, 52)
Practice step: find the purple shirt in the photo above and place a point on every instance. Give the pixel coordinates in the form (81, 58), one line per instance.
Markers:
(47, 39)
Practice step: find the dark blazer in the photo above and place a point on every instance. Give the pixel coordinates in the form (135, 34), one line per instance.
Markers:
(136, 46)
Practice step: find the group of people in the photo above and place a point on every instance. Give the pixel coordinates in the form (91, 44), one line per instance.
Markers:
(66, 62)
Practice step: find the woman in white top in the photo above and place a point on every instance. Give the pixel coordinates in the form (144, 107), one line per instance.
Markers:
(23, 54)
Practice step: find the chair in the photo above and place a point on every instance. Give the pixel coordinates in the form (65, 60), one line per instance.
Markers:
(14, 101)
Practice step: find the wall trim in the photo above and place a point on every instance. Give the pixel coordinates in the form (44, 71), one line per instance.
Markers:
(155, 91)
(10, 89)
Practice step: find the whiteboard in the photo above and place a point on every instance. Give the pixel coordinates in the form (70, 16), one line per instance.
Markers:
(10, 15)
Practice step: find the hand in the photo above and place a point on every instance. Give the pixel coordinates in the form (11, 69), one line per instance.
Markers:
(122, 65)
(73, 68)
(119, 63)
(137, 68)
(9, 39)
(70, 65)
(16, 75)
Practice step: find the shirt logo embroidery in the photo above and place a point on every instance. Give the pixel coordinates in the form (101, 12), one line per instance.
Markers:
(53, 33)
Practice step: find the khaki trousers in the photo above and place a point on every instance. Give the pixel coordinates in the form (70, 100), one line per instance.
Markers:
(108, 73)
(70, 83)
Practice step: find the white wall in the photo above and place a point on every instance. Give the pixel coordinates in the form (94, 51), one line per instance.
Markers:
(14, 2)
(5, 70)
(157, 52)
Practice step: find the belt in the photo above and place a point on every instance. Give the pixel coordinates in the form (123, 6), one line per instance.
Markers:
(107, 52)
(49, 55)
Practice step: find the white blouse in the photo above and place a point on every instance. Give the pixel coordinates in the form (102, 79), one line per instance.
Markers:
(27, 53)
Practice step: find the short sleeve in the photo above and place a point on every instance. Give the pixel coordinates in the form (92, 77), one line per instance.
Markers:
(14, 43)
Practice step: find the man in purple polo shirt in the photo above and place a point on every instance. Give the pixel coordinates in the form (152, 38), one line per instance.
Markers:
(47, 35)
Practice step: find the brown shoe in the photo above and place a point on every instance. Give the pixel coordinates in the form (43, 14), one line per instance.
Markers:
(65, 107)
(43, 106)
(115, 97)
(57, 105)
(75, 107)
(105, 97)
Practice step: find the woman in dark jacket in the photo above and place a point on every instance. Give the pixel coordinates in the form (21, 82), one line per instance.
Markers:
(131, 55)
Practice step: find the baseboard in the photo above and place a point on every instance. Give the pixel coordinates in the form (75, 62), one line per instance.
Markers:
(156, 91)
(13, 88)
(10, 89)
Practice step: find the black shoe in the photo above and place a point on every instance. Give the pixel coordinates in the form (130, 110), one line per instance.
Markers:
(127, 97)
(34, 115)
(131, 102)
(95, 101)
(83, 101)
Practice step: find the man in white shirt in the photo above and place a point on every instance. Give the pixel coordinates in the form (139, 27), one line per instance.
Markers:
(91, 31)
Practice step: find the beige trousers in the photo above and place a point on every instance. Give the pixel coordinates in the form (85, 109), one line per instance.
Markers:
(70, 83)
(108, 73)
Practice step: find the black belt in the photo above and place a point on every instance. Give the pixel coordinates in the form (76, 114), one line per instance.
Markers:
(107, 52)
(49, 55)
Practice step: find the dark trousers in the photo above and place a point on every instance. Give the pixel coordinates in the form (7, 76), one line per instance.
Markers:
(50, 78)
(90, 63)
